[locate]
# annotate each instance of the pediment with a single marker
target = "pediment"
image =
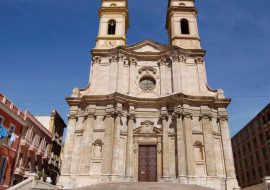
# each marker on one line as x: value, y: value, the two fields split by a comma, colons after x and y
x: 147, y: 46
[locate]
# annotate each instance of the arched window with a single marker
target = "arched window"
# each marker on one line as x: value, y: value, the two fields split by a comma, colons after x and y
x: 184, y: 26
x: 111, y: 27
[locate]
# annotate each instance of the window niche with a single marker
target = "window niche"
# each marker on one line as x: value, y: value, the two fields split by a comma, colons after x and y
x: 184, y: 26
x: 97, y: 146
x: 111, y: 27
x: 198, y: 151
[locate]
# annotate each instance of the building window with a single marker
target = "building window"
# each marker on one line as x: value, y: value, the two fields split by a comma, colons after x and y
x: 260, y: 172
x: 254, y: 174
x: 184, y: 26
x: 267, y: 133
x: 251, y: 160
x: 265, y: 154
x: 249, y: 147
x: 262, y: 139
x: 1, y: 121
x: 111, y: 27
x: 3, y: 166
x: 255, y: 142
x: 147, y: 83
x: 258, y: 156
x: 244, y: 149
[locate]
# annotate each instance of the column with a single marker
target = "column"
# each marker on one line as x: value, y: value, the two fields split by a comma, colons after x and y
x: 163, y: 78
x: 86, y: 152
x: 132, y: 74
x: 130, y: 149
x: 181, y: 150
x: 116, y: 144
x: 68, y: 150
x: 209, y: 146
x: 165, y: 147
x: 227, y: 147
x: 187, y: 119
x: 108, y: 144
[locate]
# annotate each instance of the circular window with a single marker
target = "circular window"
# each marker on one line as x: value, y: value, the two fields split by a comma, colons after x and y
x: 147, y: 83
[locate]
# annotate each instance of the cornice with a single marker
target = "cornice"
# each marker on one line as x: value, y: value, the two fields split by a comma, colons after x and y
x: 125, y: 100
x: 165, y: 51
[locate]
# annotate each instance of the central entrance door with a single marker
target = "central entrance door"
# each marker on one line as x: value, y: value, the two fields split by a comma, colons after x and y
x: 148, y: 163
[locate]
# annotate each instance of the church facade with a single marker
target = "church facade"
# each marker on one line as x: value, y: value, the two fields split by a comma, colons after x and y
x: 148, y: 114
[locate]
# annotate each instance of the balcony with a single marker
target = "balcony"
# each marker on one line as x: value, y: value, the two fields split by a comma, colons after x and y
x: 32, y: 149
x: 40, y: 153
x: 19, y: 170
x: 25, y: 144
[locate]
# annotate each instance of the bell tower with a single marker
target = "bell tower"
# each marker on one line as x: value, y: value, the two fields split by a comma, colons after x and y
x: 114, y: 23
x: 182, y: 24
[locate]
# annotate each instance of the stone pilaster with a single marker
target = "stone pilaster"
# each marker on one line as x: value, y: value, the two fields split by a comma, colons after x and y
x: 165, y: 144
x: 113, y: 74
x: 227, y: 146
x: 163, y: 77
x: 201, y: 73
x: 68, y: 150
x: 209, y: 145
x: 77, y: 146
x: 181, y: 149
x: 121, y: 72
x: 130, y: 149
x: 175, y: 74
x: 86, y: 152
x: 187, y: 119
x: 159, y: 161
x: 132, y: 74
x: 108, y: 142
x: 116, y: 142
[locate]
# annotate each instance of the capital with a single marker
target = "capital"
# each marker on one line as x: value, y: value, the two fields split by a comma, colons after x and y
x: 132, y: 61
x: 222, y: 118
x: 182, y: 59
x: 96, y: 60
x: 162, y: 61
x: 113, y: 58
x: 199, y: 60
x: 206, y: 116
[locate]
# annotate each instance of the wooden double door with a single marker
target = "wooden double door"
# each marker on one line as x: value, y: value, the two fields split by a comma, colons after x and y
x: 148, y: 163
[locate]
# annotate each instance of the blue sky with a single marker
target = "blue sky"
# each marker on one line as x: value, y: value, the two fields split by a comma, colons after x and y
x: 45, y: 49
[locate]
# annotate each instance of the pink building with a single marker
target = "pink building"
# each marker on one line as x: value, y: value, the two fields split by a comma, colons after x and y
x: 34, y: 150
x: 12, y: 124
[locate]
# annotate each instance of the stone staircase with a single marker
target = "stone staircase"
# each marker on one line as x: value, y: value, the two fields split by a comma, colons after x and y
x: 144, y: 186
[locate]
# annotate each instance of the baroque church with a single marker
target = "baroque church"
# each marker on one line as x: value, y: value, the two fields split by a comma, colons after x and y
x: 148, y: 114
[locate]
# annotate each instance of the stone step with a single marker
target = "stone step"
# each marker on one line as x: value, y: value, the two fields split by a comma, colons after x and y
x: 143, y: 186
